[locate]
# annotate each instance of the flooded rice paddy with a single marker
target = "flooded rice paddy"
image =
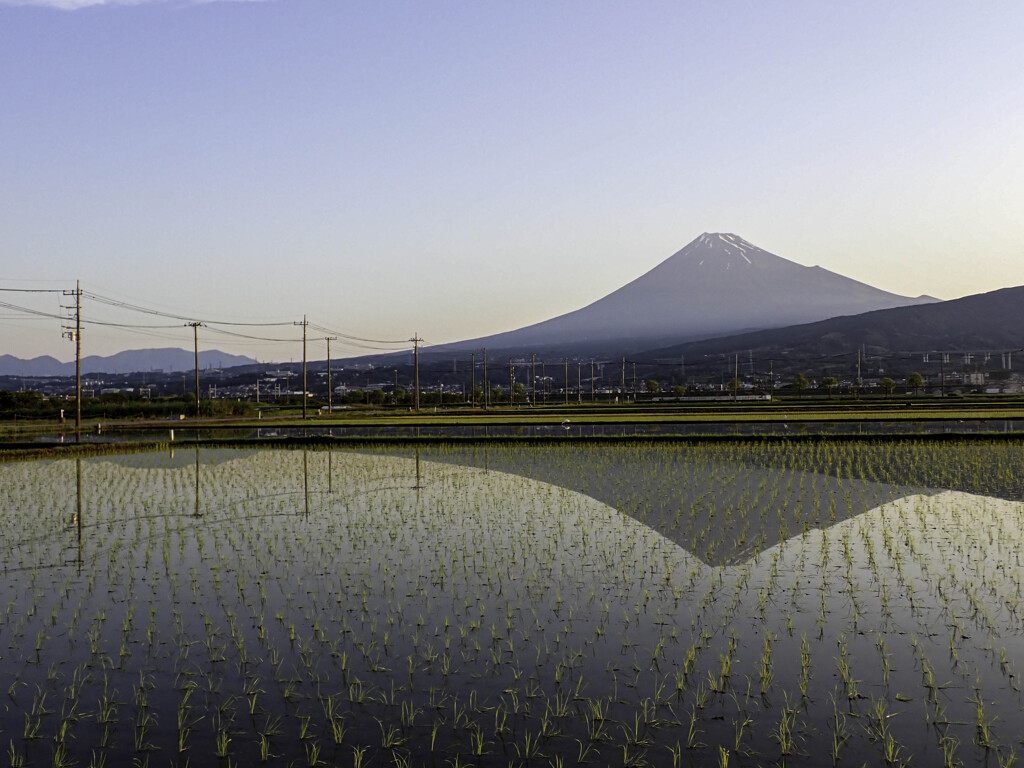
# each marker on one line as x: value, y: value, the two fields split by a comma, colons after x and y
x: 717, y: 604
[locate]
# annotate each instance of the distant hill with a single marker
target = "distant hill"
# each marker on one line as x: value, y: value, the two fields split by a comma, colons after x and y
x: 991, y: 321
x: 130, y: 361
x: 718, y: 284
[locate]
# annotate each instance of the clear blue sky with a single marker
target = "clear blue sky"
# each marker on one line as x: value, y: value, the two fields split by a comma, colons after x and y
x: 462, y: 168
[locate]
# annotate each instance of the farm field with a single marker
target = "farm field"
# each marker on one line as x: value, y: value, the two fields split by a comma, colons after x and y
x: 729, y: 604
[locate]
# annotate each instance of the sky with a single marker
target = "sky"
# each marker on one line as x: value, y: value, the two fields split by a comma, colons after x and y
x: 453, y: 169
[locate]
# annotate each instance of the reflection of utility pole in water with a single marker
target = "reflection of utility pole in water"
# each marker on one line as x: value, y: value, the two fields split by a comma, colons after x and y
x: 196, y: 513
x: 330, y: 470
x: 305, y: 478
x: 78, y: 509
x: 418, y: 485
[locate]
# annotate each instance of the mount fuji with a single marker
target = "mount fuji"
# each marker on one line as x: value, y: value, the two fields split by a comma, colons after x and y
x: 718, y: 284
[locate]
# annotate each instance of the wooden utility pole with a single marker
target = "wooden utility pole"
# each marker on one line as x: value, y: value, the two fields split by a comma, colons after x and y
x: 396, y: 387
x: 736, y: 379
x: 579, y: 381
x: 195, y: 334
x: 76, y: 336
x: 565, y: 362
x: 472, y: 379
x: 304, y: 324
x: 858, y: 372
x: 533, y: 378
x: 416, y: 340
x: 330, y: 391
x: 305, y: 385
x: 622, y: 386
x: 487, y: 384
x: 593, y: 397
x: 511, y: 382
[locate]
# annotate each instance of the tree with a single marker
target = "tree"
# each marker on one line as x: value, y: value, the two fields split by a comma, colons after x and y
x: 916, y: 381
x: 829, y: 383
x: 518, y: 392
x: 800, y: 383
x: 678, y: 391
x: 888, y: 385
x: 653, y: 387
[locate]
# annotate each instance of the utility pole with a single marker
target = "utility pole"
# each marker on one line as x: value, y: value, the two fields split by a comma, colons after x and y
x: 565, y: 362
x: 472, y: 380
x: 511, y: 383
x: 622, y: 386
x: 195, y: 334
x: 533, y: 378
x: 416, y: 362
x: 736, y: 379
x: 396, y: 387
x: 858, y: 372
x: 579, y: 381
x: 330, y: 391
x: 304, y: 323
x: 634, y: 381
x: 487, y: 384
x: 76, y: 336
x: 593, y: 399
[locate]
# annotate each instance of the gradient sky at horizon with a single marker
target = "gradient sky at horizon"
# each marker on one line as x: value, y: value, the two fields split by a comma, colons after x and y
x: 456, y: 169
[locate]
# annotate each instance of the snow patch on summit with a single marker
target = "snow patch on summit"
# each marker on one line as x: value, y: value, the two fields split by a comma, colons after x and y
x: 727, y: 244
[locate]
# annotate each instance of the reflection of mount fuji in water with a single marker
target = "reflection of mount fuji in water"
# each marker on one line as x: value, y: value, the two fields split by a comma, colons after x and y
x: 673, y: 493
x: 722, y: 505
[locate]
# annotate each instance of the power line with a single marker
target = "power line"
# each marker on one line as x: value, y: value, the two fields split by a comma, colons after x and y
x: 28, y: 310
x: 117, y: 303
x: 350, y: 337
x: 236, y: 334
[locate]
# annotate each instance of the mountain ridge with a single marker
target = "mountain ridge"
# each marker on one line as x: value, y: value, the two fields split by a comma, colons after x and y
x: 984, y: 322
x: 128, y: 361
